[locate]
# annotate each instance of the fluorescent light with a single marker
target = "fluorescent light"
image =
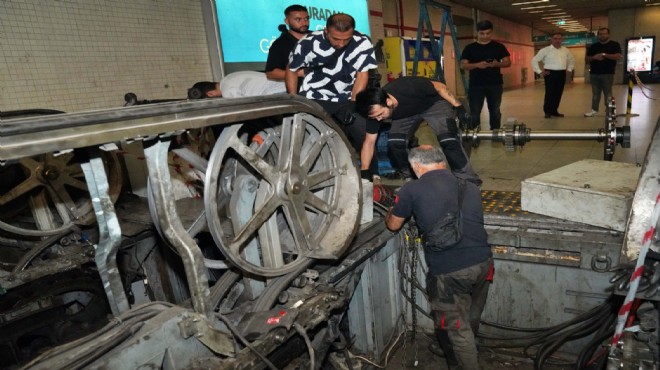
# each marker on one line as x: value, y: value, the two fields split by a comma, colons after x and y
x: 531, y: 2
x: 539, y: 7
x: 536, y: 11
x: 554, y: 17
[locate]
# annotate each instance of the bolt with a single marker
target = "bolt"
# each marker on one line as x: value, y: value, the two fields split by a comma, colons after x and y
x: 50, y: 173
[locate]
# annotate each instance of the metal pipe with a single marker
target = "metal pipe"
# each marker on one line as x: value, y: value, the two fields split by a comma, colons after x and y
x: 567, y: 135
x: 543, y: 135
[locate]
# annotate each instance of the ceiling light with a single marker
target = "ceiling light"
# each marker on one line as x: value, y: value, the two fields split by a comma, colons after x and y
x: 554, y: 17
x: 536, y: 11
x: 531, y: 2
x: 539, y: 7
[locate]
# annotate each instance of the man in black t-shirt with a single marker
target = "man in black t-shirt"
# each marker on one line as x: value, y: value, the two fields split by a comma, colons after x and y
x: 408, y: 101
x: 483, y: 59
x: 297, y: 18
x: 458, y: 276
x: 602, y: 57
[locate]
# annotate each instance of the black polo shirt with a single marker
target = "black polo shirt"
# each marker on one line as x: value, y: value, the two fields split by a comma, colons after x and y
x: 430, y: 198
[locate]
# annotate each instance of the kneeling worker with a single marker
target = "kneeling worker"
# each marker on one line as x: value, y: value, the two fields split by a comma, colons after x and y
x: 460, y: 266
x: 408, y: 101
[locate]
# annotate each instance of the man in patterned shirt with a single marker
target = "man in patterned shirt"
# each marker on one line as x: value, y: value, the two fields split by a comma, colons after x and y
x: 336, y: 61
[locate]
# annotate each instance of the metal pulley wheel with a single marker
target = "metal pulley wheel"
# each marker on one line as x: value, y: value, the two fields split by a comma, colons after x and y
x: 297, y: 195
x: 47, y: 195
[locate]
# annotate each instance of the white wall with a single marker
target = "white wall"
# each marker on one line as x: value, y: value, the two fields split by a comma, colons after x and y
x: 77, y: 55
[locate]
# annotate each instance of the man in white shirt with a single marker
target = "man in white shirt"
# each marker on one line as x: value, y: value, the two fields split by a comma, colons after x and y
x: 237, y: 85
x: 557, y: 62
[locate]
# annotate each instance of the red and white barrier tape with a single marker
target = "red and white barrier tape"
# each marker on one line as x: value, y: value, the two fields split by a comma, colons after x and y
x: 624, y: 311
x: 642, y: 86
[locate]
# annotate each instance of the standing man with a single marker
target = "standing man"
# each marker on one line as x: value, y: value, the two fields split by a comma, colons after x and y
x: 408, y: 101
x: 483, y: 59
x: 602, y: 57
x: 459, y: 274
x: 337, y: 61
x: 557, y: 62
x: 297, y: 18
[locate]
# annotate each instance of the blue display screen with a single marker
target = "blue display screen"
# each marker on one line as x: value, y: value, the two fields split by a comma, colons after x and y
x: 247, y: 28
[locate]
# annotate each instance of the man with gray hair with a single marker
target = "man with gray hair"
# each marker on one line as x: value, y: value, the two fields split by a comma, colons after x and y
x: 460, y: 264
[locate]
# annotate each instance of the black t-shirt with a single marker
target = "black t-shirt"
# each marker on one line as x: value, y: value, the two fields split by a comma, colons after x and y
x: 278, y: 54
x: 429, y: 199
x: 414, y: 95
x: 606, y: 66
x: 475, y: 53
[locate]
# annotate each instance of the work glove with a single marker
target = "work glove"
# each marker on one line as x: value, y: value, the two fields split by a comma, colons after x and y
x: 464, y: 119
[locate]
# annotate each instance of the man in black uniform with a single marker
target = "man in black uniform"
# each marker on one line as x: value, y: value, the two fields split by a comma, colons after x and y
x: 408, y: 101
x: 602, y: 57
x: 297, y: 18
x: 459, y: 275
x: 483, y: 59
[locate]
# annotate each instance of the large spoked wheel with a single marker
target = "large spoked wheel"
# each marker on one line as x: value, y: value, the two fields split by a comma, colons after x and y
x: 47, y: 195
x: 294, y: 198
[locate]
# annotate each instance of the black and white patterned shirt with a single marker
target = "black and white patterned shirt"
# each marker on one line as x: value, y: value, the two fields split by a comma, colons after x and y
x: 331, y: 77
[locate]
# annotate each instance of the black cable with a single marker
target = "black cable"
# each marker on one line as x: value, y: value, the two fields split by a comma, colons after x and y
x: 587, y: 327
x: 310, y: 349
x: 588, y: 351
x: 245, y: 342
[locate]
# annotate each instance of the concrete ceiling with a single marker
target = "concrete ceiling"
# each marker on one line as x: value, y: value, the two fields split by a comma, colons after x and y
x: 577, y: 15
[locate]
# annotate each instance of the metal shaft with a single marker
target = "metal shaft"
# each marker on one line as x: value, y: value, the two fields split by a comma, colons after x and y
x: 544, y: 135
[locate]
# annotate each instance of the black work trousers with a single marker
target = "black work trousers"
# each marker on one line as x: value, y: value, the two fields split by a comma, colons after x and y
x: 554, y: 88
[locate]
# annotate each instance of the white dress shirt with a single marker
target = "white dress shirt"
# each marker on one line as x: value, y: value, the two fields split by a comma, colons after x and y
x: 554, y: 59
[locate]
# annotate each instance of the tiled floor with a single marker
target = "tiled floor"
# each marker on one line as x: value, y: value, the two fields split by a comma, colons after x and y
x: 502, y: 170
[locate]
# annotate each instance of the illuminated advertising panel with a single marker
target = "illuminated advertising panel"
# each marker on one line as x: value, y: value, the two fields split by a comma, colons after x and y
x: 247, y: 28
x: 639, y: 54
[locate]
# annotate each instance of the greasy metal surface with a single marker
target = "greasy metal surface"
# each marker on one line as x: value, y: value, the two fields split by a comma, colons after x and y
x: 31, y: 136
x: 217, y: 341
x: 51, y: 190
x: 646, y: 197
x: 109, y: 233
x: 173, y: 230
x: 307, y: 182
x: 502, y: 203
x: 525, y: 236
